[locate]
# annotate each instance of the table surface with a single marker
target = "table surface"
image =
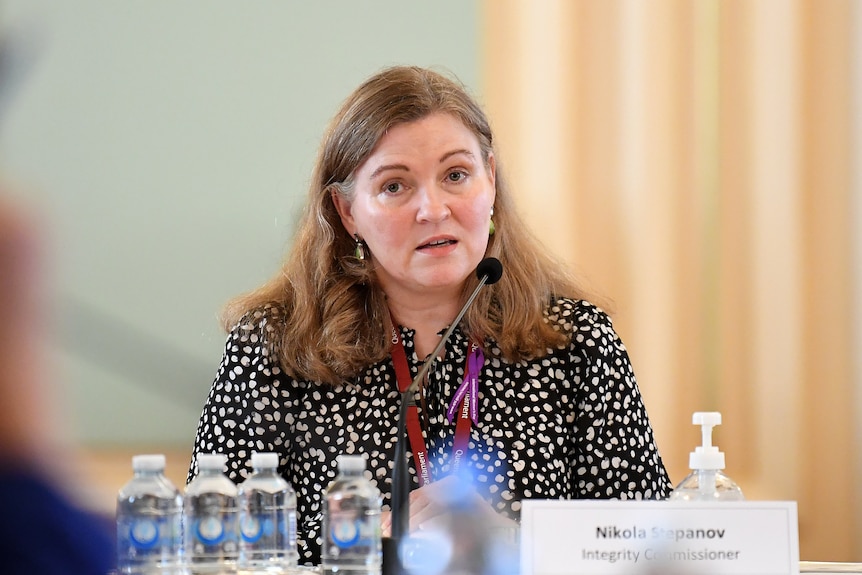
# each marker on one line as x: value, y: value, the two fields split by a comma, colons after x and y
x: 821, y: 567
x: 827, y: 567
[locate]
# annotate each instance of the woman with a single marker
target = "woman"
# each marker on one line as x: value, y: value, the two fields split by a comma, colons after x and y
x: 407, y: 197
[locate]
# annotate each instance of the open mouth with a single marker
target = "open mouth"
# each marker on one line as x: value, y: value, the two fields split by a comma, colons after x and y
x: 437, y: 244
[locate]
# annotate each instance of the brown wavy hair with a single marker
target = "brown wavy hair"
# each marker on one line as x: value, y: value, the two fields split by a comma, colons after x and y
x: 329, y: 313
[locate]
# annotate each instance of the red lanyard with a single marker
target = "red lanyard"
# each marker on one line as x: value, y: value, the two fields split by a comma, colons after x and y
x: 465, y: 402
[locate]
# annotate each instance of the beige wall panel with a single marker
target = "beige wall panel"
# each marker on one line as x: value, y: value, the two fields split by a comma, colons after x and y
x: 827, y: 431
x: 705, y: 148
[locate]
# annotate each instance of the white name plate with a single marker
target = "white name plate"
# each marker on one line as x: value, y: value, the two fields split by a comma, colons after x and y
x: 560, y: 537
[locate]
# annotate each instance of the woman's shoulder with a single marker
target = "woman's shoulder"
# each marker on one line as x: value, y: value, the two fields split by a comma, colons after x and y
x: 253, y: 346
x: 589, y: 327
x: 572, y: 315
x: 263, y: 321
x: 258, y: 333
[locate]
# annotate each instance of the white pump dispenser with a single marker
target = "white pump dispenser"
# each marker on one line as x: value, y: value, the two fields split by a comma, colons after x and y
x: 707, y: 482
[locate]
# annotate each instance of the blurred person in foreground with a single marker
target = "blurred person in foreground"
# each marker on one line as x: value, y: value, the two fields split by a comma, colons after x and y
x: 42, y: 530
x: 533, y: 396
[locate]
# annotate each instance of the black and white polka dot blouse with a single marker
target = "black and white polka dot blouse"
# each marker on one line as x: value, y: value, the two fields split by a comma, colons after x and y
x: 567, y: 425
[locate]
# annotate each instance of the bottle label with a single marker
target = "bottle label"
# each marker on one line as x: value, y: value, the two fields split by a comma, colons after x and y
x: 254, y: 527
x: 209, y: 530
x: 347, y: 531
x: 144, y: 533
x: 148, y: 534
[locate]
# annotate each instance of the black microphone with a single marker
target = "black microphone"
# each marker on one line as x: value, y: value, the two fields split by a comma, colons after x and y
x: 489, y: 271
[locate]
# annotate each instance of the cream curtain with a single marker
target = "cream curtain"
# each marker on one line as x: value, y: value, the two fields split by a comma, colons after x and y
x: 692, y: 160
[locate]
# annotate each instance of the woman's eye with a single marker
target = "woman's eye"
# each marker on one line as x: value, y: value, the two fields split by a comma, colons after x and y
x: 392, y: 188
x: 456, y: 176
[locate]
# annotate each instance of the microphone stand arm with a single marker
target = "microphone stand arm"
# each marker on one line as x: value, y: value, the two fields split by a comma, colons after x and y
x: 400, y: 507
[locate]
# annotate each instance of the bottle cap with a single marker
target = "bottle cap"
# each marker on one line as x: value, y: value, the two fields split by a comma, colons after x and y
x: 212, y: 461
x: 353, y: 463
x: 707, y: 456
x: 154, y: 462
x: 264, y: 460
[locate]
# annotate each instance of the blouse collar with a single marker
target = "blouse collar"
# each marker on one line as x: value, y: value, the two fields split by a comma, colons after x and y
x: 454, y: 350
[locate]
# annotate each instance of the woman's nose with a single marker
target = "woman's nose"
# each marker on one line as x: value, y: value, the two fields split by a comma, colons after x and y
x: 433, y: 204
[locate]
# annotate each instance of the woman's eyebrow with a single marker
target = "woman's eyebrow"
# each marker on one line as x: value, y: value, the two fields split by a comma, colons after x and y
x: 386, y: 167
x: 448, y: 155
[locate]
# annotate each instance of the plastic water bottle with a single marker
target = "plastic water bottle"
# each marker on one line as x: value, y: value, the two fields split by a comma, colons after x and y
x: 706, y: 482
x: 267, y: 518
x: 351, y: 521
x: 149, y: 520
x: 210, y: 518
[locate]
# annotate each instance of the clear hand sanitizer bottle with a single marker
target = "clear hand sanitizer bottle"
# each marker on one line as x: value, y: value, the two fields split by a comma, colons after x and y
x: 706, y: 482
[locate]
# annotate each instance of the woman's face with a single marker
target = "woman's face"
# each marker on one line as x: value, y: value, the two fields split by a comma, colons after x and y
x: 423, y: 204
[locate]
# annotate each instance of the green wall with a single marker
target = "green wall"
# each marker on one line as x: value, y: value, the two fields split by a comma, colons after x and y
x: 169, y: 144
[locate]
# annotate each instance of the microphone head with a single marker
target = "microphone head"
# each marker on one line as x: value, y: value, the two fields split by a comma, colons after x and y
x: 490, y: 268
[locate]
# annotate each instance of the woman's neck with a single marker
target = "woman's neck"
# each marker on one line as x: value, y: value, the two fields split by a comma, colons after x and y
x: 427, y: 317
